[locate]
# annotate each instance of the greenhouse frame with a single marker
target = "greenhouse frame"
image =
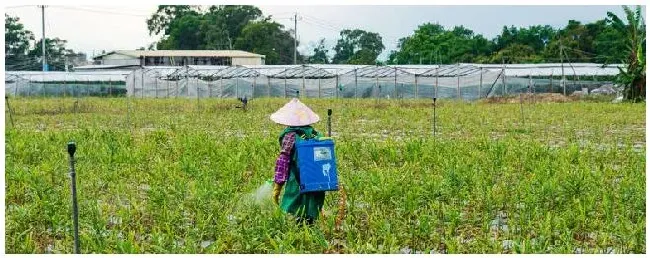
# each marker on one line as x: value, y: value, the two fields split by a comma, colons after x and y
x: 462, y: 81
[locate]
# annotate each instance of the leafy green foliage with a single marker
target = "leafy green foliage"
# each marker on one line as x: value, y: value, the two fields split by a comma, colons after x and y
x: 161, y: 20
x: 23, y: 53
x: 357, y: 47
x: 634, y: 76
x: 185, y: 27
x: 601, y: 42
x: 320, y: 54
x: 431, y: 43
x: 240, y: 27
x: 17, y: 40
x: 268, y: 38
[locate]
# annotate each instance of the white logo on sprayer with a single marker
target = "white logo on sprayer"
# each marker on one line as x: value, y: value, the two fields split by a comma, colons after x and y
x: 326, y: 169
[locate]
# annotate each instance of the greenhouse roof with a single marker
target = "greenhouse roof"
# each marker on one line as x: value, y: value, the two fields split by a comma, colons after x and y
x: 328, y: 71
x: 304, y: 71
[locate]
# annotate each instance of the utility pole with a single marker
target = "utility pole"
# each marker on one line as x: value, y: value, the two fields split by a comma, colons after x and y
x: 295, y: 37
x: 43, y: 41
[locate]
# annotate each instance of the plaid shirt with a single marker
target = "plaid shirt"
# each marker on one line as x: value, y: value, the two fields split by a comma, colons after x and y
x: 282, y: 163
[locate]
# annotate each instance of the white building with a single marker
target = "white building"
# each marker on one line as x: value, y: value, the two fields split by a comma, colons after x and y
x: 126, y: 58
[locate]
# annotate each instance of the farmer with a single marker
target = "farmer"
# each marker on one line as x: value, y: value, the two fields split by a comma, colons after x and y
x: 298, y: 118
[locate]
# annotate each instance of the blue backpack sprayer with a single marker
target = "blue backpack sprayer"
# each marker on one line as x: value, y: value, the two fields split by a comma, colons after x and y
x: 317, y: 162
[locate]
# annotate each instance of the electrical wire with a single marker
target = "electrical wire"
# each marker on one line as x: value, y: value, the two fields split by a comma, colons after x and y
x: 323, y: 23
x: 330, y: 23
x: 116, y: 9
x: 321, y: 26
x: 19, y: 6
x: 98, y: 11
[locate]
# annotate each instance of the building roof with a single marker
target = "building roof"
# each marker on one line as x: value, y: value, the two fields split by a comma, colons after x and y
x: 104, y: 67
x: 202, y: 53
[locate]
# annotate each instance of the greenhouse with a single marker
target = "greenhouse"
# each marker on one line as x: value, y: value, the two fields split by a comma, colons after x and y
x: 74, y: 84
x: 461, y: 81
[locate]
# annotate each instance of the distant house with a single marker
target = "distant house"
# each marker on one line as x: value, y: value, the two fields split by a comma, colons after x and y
x: 126, y: 58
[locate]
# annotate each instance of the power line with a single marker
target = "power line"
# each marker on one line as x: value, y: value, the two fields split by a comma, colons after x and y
x: 117, y: 9
x: 330, y: 23
x: 321, y: 26
x: 19, y: 6
x: 98, y: 11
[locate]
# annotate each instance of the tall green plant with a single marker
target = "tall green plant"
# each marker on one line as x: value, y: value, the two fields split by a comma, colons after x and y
x: 633, y: 76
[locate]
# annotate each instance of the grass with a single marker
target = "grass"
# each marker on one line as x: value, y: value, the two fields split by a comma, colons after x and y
x: 176, y: 176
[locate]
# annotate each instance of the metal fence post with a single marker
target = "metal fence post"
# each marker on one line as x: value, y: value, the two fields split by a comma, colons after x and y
x: 503, y: 80
x: 355, y: 84
x: 480, y: 83
x: 155, y: 81
x: 416, y: 87
x: 336, y: 87
x: 142, y: 81
x: 550, y: 90
x: 395, y: 92
x: 460, y: 97
x: 221, y: 86
x: 435, y: 91
x: 304, y: 88
x: 177, y: 90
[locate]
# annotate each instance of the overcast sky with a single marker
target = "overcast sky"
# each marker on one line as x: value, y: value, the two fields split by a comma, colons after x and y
x: 92, y: 29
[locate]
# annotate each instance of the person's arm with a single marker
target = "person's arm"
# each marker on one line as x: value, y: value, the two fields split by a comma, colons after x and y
x: 282, y: 165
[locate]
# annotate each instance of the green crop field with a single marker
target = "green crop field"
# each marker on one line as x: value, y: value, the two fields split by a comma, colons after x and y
x: 179, y: 176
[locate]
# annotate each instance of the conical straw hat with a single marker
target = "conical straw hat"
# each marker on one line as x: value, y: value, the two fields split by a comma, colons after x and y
x: 295, y: 113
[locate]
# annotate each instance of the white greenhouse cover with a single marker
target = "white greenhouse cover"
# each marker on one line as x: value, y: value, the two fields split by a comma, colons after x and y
x: 36, y: 76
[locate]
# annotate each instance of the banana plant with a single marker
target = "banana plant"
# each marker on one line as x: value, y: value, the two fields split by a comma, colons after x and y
x: 632, y: 77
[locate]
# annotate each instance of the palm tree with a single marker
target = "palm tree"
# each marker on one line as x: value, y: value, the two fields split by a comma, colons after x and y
x: 633, y: 77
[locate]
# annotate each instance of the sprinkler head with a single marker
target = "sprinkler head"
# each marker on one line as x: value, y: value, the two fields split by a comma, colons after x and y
x: 72, y: 147
x: 434, y: 99
x: 329, y: 112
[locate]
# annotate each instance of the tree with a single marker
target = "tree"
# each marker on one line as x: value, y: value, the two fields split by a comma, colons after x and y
x: 19, y: 55
x: 609, y: 45
x: 572, y: 44
x: 268, y: 38
x: 357, y: 47
x: 56, y: 54
x: 160, y: 21
x: 187, y: 27
x: 516, y: 53
x: 233, y: 18
x: 536, y: 37
x: 184, y: 32
x: 431, y: 43
x: 320, y: 54
x: 634, y: 75
x: 17, y: 40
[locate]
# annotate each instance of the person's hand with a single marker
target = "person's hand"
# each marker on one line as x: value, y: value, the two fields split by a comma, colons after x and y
x: 276, y: 193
